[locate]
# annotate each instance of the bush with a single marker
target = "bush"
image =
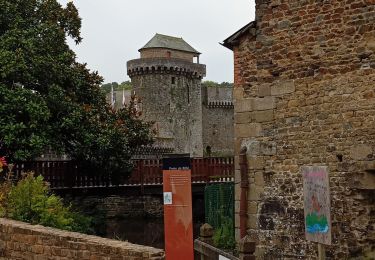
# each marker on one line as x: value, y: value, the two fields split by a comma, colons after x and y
x: 224, y: 235
x: 30, y: 201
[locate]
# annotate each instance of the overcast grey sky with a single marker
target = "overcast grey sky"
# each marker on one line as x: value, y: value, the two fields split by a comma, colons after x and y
x: 114, y: 30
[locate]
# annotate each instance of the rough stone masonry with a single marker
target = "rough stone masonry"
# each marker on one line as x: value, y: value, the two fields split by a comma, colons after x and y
x: 20, y: 240
x: 305, y: 95
x: 187, y: 118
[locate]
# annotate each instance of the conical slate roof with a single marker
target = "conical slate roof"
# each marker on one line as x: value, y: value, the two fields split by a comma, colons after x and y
x: 169, y: 42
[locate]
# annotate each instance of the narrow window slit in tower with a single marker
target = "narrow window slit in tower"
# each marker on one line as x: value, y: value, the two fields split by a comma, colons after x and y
x: 188, y: 93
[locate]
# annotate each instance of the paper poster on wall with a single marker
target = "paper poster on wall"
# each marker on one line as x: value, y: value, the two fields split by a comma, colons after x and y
x: 167, y: 198
x: 317, y: 204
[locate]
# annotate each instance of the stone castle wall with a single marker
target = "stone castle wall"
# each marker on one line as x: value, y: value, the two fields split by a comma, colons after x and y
x: 217, y: 117
x: 170, y: 92
x: 218, y: 127
x: 19, y: 240
x: 305, y: 95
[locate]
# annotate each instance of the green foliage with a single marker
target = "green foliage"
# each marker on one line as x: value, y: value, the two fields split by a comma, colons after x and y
x: 49, y: 100
x: 30, y: 201
x: 22, y: 112
x: 211, y: 84
x: 224, y: 235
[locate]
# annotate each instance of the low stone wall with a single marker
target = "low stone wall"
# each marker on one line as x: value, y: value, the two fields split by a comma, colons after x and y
x: 19, y: 240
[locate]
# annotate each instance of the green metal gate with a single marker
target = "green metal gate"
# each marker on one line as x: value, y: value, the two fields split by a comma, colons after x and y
x: 219, y: 203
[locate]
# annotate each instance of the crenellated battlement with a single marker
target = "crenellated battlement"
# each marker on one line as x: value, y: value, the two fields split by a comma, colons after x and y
x: 220, y: 104
x: 187, y: 116
x: 165, y: 66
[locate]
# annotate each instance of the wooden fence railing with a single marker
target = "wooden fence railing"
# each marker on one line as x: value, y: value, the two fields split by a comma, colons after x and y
x: 66, y: 174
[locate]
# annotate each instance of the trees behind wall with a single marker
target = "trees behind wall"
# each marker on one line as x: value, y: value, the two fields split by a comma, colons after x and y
x: 48, y: 99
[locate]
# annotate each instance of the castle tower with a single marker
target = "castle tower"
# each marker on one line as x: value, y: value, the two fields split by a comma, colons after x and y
x: 168, y: 83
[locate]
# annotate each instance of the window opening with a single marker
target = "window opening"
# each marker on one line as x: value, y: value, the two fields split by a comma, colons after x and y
x: 188, y: 93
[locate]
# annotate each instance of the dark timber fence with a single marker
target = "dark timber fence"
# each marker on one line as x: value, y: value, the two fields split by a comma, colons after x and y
x: 66, y: 174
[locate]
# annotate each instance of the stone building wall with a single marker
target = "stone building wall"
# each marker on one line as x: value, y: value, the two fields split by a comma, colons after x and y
x: 305, y: 95
x: 19, y: 240
x: 218, y: 127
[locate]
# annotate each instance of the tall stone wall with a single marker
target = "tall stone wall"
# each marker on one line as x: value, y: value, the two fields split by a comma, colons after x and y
x: 217, y: 112
x: 170, y: 92
x: 305, y: 95
x: 19, y: 240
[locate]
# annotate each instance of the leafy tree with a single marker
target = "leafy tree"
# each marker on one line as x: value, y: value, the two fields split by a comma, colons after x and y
x: 48, y: 99
x: 106, y: 88
x: 210, y: 84
x: 226, y: 84
x: 125, y: 85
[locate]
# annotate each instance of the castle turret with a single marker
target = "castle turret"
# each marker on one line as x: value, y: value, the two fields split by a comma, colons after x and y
x: 168, y: 83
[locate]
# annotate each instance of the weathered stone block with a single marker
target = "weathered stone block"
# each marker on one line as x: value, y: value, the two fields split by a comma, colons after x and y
x: 264, y: 90
x: 265, y: 103
x: 262, y: 116
x: 360, y: 151
x: 248, y: 130
x: 252, y: 221
x: 252, y: 146
x: 255, y: 162
x: 283, y: 87
x: 255, y: 192
x: 252, y: 207
x: 238, y: 93
x: 363, y: 180
x: 259, y: 179
x: 242, y: 118
x: 243, y: 105
x: 237, y: 206
x: 237, y: 192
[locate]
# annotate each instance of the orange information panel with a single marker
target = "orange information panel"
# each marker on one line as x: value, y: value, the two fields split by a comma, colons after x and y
x: 178, y: 220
